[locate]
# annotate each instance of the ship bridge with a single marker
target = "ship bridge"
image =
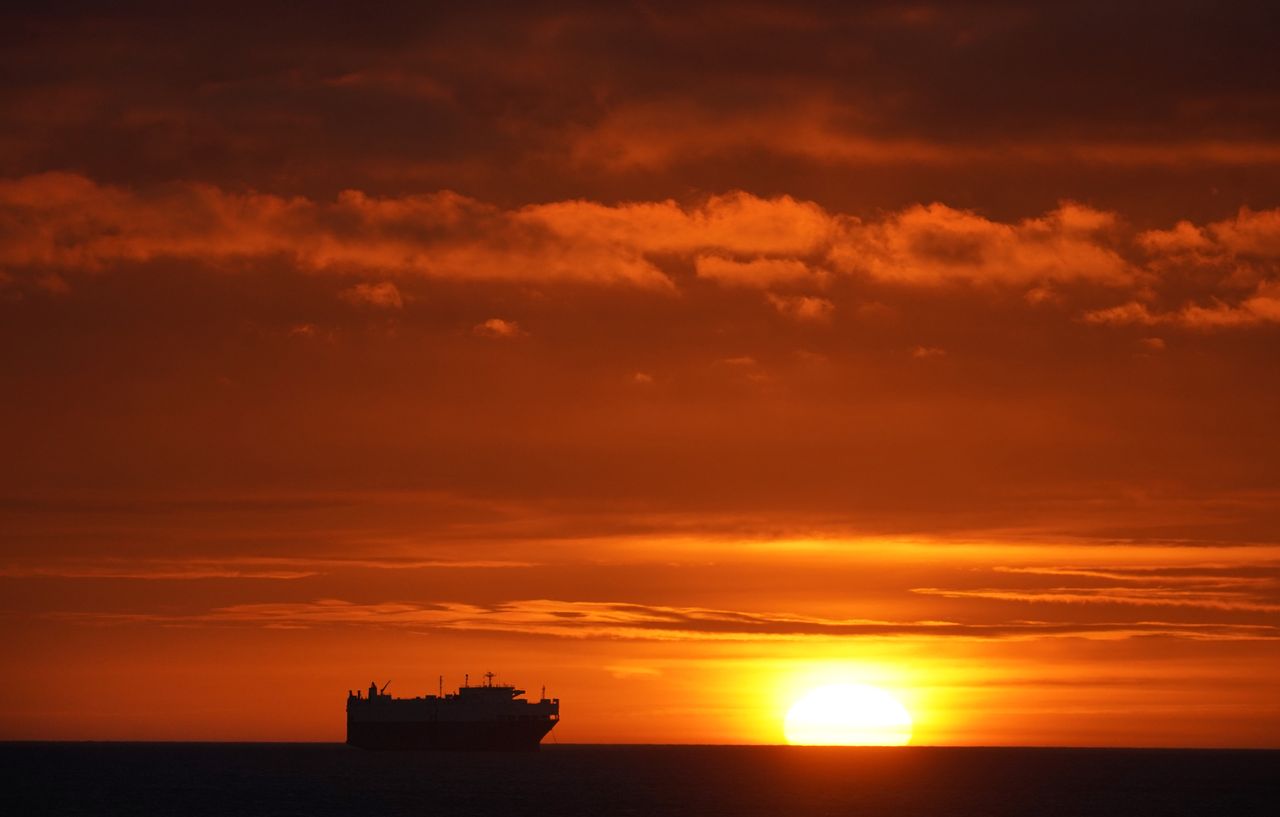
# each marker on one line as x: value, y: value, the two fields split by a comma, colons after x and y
x: 489, y: 689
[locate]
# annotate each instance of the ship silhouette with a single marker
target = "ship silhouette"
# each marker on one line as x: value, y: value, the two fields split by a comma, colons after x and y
x: 489, y: 717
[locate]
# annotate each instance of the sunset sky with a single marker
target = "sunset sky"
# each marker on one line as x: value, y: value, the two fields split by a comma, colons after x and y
x: 681, y: 357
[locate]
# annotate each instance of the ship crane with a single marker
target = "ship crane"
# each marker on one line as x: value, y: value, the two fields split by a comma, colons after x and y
x: 383, y: 691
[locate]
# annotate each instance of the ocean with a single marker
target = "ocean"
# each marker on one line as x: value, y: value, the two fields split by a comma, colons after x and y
x: 331, y: 779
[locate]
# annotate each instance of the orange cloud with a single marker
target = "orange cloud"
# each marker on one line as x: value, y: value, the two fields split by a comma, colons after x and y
x: 392, y: 80
x: 382, y: 294
x: 803, y: 307
x: 1132, y: 596
x: 934, y: 244
x: 657, y: 135
x: 52, y: 224
x: 246, y: 567
x: 498, y: 328
x: 1131, y: 312
x: 1251, y: 232
x: 627, y: 620
x: 1241, y: 587
x: 925, y: 352
x: 67, y: 221
x: 1184, y: 237
x: 1262, y: 306
x: 735, y: 223
x: 1263, y: 575
x: 759, y: 272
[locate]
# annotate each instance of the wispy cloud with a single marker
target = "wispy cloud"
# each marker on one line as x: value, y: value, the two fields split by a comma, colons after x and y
x: 1260, y: 307
x: 805, y: 308
x: 926, y: 352
x: 283, y: 568
x: 623, y: 620
x: 1214, y: 575
x: 498, y: 329
x: 1253, y: 588
x: 382, y: 294
x: 658, y: 135
x: 1139, y: 597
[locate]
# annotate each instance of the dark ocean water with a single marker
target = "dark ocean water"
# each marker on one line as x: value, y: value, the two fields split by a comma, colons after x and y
x: 326, y: 779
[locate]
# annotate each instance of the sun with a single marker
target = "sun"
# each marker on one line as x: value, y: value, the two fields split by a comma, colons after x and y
x: 848, y: 715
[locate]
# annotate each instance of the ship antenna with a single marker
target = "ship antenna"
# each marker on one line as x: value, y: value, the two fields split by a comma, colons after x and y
x: 466, y: 679
x: 488, y: 677
x: 440, y: 689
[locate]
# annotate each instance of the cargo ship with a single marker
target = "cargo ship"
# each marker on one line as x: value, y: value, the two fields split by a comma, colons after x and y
x: 487, y: 717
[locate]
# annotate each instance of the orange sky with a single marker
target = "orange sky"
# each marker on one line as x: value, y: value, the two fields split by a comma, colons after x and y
x: 681, y: 357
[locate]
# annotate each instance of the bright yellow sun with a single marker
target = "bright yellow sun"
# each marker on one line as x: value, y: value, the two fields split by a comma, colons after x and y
x: 848, y: 715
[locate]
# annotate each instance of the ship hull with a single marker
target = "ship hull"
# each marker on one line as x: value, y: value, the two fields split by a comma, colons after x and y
x: 500, y: 736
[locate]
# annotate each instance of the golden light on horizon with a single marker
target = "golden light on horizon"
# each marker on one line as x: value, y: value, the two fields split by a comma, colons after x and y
x: 848, y: 715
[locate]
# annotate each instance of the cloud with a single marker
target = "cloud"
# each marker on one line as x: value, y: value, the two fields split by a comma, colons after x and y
x: 1213, y: 276
x: 66, y: 221
x: 630, y: 621
x: 498, y: 329
x: 1263, y: 306
x: 760, y: 273
x: 1260, y: 307
x: 735, y: 223
x: 392, y: 80
x: 1241, y: 249
x: 929, y: 245
x: 659, y: 135
x: 1183, y: 238
x: 804, y: 308
x: 1250, y: 588
x: 248, y: 567
x: 680, y: 88
x: 1131, y: 312
x: 53, y: 283
x: 926, y: 352
x: 656, y: 135
x: 1267, y: 575
x: 383, y: 294
x: 1140, y: 597
x: 1225, y: 272
x: 1250, y: 233
x: 156, y: 571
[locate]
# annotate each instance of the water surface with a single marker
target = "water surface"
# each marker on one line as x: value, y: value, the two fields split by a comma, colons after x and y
x: 330, y: 779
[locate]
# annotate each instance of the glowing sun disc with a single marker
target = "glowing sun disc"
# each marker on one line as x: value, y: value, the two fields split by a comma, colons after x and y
x: 848, y: 715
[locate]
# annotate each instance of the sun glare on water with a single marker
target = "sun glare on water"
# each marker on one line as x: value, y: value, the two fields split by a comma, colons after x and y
x: 848, y: 715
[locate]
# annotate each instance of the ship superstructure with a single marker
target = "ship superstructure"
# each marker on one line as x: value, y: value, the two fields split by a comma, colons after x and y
x: 490, y: 716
